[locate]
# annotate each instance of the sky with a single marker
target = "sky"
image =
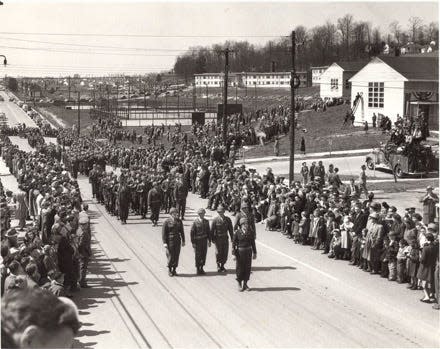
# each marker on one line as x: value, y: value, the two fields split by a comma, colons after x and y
x: 138, y: 37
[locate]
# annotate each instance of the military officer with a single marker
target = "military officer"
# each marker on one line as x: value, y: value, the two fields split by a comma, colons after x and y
x: 173, y: 237
x: 221, y: 226
x: 200, y: 239
x: 180, y: 194
x: 155, y: 202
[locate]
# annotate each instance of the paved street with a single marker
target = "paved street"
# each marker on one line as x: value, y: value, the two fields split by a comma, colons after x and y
x: 298, y: 297
x: 14, y: 113
x: 295, y: 292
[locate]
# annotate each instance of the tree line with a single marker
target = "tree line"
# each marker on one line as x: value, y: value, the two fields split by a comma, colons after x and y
x: 344, y: 40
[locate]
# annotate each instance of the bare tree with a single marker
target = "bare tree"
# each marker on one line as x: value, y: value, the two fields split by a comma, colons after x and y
x: 432, y: 32
x: 396, y: 31
x: 345, y: 25
x: 414, y: 26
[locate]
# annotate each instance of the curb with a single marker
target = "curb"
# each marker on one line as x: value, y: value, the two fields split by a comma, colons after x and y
x: 301, y: 157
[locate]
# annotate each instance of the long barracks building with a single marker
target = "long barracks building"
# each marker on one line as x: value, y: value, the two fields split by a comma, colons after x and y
x: 251, y: 79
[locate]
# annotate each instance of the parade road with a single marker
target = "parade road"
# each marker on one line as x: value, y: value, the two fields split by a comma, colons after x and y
x: 15, y: 115
x: 298, y: 297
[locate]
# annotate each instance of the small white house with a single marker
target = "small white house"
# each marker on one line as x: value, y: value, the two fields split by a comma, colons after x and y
x: 334, y: 82
x: 394, y: 86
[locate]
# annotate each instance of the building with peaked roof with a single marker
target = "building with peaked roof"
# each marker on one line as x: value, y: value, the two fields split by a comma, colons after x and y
x: 334, y: 82
x: 391, y: 86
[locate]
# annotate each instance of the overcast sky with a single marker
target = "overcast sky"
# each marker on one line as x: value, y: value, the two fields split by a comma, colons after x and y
x: 256, y: 22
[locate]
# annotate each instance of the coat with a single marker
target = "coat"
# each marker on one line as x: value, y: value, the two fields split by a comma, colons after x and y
x: 374, y: 241
x: 22, y: 207
x: 427, y: 263
x: 429, y: 209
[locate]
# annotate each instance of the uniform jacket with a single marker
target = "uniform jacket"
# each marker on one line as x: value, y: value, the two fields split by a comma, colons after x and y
x: 220, y: 227
x: 200, y: 230
x: 172, y: 231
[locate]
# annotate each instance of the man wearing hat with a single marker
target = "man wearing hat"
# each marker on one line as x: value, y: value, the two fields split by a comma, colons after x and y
x: 173, y: 237
x: 429, y: 209
x: 374, y: 242
x: 200, y: 240
x: 180, y: 194
x: 221, y: 226
x: 155, y: 202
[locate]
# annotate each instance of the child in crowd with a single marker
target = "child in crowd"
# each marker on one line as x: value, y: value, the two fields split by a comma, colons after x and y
x: 401, y: 261
x: 304, y: 226
x: 295, y: 228
x: 363, y: 252
x: 413, y: 263
x: 384, y: 259
x: 392, y: 250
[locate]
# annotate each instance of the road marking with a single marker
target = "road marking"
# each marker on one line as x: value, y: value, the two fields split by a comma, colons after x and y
x: 297, y: 261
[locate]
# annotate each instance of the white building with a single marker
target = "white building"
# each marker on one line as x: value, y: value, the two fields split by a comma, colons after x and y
x: 316, y: 73
x: 249, y: 79
x: 394, y: 86
x: 334, y: 82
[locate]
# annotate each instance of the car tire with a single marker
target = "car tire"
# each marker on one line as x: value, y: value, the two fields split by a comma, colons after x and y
x: 398, y: 171
x: 370, y: 164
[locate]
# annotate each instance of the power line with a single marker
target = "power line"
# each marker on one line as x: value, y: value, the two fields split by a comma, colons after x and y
x: 84, y: 52
x: 144, y: 35
x: 95, y: 46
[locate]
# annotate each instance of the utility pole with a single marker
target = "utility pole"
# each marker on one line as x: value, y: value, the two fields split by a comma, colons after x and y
x: 128, y: 101
x: 68, y: 79
x: 79, y: 114
x: 225, y: 96
x: 292, y: 109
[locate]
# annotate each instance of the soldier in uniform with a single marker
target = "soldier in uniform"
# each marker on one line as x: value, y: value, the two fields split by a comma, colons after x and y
x: 173, y: 237
x: 200, y: 239
x: 123, y: 201
x: 244, y: 249
x: 180, y: 194
x: 155, y: 202
x: 143, y: 189
x: 220, y: 228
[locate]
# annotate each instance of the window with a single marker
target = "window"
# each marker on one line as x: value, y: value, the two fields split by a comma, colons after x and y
x: 347, y: 83
x: 333, y: 84
x: 375, y: 94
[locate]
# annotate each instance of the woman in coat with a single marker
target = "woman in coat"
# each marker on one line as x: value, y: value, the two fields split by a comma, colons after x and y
x: 427, y: 267
x: 22, y: 207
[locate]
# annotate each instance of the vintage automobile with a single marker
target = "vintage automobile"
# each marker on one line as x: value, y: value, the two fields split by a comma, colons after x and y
x: 417, y: 160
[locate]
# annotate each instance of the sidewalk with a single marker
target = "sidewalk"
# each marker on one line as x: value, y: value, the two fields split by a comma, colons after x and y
x: 338, y: 153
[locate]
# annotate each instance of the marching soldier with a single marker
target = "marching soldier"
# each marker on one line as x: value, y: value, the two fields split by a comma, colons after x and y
x: 155, y: 202
x: 180, y: 194
x: 200, y: 239
x: 144, y: 188
x: 124, y: 201
x: 173, y: 237
x: 243, y: 244
x: 220, y: 228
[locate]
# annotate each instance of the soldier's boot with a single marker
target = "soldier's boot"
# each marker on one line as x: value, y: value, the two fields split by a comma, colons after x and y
x: 240, y: 288
x: 219, y: 268
x: 170, y: 271
x: 245, y: 286
x: 223, y: 268
x: 174, y: 271
x: 202, y: 271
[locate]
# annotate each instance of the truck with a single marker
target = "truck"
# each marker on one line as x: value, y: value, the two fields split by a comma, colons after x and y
x: 414, y: 160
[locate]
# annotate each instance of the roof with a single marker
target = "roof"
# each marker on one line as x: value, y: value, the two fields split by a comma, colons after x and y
x: 352, y: 66
x: 418, y: 67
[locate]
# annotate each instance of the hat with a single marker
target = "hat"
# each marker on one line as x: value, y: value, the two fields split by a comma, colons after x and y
x: 375, y: 206
x: 429, y: 187
x: 173, y: 210
x: 392, y: 233
x: 201, y: 211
